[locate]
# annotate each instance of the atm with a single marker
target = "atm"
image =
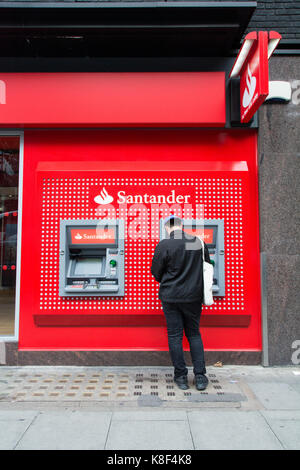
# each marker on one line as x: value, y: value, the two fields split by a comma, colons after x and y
x: 91, y: 258
x: 212, y: 232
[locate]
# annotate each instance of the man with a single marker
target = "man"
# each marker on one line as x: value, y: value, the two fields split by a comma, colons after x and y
x: 178, y: 266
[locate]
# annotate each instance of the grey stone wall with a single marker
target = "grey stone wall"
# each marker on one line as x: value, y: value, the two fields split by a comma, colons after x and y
x: 279, y: 176
x: 277, y: 15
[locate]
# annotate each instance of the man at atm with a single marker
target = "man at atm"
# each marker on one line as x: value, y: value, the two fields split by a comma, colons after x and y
x: 178, y: 266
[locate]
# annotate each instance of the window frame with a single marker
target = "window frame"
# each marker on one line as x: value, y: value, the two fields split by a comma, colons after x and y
x: 20, y: 134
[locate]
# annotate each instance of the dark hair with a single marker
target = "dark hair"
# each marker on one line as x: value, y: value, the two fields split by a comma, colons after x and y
x: 174, y: 222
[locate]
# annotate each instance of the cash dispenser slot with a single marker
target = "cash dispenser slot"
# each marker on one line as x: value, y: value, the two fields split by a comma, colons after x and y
x: 92, y: 258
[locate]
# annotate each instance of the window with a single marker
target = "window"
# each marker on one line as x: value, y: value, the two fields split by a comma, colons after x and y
x: 9, y: 177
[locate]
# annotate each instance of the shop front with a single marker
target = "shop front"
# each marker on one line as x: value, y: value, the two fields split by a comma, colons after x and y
x: 106, y: 157
x: 10, y: 145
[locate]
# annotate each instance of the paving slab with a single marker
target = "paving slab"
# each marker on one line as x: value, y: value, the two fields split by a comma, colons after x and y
x: 145, y: 387
x: 149, y: 435
x: 77, y: 430
x: 142, y: 415
x: 231, y: 430
x: 286, y: 426
x: 296, y: 387
x: 244, y: 407
x: 13, y: 424
x: 276, y: 396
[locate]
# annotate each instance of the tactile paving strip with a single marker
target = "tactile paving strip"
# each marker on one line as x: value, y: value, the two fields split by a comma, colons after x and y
x: 109, y: 385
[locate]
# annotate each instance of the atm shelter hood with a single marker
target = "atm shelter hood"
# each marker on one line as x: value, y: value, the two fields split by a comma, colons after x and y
x: 79, y: 175
x: 112, y: 99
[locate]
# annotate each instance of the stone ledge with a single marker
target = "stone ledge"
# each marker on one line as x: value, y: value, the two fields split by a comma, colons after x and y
x: 14, y: 357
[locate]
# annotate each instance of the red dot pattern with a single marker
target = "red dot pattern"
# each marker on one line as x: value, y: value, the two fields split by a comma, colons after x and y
x: 70, y: 198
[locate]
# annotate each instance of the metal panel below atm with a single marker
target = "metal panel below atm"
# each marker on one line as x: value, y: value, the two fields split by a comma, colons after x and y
x: 212, y: 232
x: 91, y: 258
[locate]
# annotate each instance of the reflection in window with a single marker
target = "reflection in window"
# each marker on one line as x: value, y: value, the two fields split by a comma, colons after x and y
x: 9, y: 175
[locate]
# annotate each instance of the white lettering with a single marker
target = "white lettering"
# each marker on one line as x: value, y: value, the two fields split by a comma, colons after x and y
x: 296, y: 355
x: 122, y: 198
x: 296, y: 94
x: 2, y: 92
x: 138, y: 227
x: 102, y: 236
x: 172, y: 198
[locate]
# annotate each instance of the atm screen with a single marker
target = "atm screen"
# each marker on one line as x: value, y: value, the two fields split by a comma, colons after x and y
x: 93, y: 236
x: 88, y: 266
x: 207, y: 234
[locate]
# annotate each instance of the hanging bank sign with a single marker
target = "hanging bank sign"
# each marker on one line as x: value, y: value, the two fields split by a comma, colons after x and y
x: 252, y: 67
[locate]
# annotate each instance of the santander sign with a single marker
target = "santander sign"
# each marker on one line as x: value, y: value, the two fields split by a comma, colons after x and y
x: 249, y: 89
x: 252, y: 67
x: 123, y: 198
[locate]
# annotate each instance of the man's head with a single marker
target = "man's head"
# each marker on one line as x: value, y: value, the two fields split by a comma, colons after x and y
x: 173, y: 223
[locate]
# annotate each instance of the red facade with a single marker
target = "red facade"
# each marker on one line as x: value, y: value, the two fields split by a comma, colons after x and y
x: 63, y: 173
x: 112, y: 99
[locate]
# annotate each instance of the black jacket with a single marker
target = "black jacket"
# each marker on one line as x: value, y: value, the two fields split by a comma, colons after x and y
x: 177, y: 265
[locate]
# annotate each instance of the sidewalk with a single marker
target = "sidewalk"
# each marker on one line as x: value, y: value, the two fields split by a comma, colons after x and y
x: 244, y: 407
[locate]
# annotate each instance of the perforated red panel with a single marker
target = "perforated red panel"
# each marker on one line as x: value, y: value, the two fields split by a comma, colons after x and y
x: 186, y: 168
x: 72, y: 198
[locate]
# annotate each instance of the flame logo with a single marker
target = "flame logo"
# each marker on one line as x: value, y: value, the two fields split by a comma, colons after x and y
x: 249, y: 89
x: 103, y: 198
x: 78, y: 236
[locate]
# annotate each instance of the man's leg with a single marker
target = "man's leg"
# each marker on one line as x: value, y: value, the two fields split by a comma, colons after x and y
x: 175, y: 335
x: 191, y: 318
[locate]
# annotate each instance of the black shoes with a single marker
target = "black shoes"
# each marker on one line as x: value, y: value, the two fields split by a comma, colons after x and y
x: 182, y: 382
x: 201, y: 382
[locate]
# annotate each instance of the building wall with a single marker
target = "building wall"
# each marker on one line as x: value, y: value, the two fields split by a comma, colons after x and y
x: 279, y: 151
x: 283, y: 17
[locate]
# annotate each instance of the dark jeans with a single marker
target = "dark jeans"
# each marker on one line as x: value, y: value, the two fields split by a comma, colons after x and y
x: 184, y: 317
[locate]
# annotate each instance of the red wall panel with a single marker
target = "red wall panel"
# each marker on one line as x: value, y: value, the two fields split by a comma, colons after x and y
x: 64, y: 170
x: 112, y: 99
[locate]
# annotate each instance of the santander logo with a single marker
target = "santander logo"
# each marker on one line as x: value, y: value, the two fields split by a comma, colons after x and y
x: 103, y: 198
x: 249, y: 89
x: 123, y: 198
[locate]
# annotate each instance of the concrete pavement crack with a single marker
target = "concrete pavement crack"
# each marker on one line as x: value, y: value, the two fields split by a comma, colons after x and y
x: 29, y: 425
x: 111, y: 417
x: 187, y: 415
x: 272, y: 430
